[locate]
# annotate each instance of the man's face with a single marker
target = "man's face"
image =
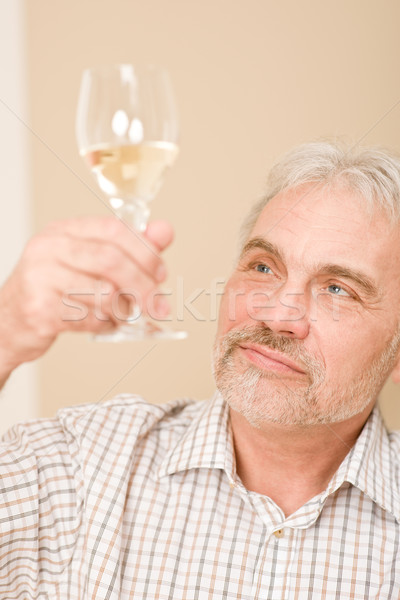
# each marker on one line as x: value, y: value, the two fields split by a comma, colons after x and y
x: 309, y: 322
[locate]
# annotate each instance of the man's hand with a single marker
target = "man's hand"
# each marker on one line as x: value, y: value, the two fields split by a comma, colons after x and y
x: 79, y: 275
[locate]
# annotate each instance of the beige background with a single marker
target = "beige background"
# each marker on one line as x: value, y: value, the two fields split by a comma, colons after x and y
x: 18, y: 398
x: 253, y: 78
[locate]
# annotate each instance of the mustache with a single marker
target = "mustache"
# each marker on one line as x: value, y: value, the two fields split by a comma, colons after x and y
x: 264, y: 336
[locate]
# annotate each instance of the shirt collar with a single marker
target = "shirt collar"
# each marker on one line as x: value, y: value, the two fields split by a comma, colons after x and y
x: 369, y: 466
x: 207, y: 442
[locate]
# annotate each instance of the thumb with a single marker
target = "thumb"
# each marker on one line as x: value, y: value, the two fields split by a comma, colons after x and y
x: 160, y: 234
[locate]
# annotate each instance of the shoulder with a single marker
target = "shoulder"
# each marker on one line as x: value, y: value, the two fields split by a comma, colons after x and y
x: 117, y: 423
x: 127, y: 414
x: 90, y: 440
x: 113, y: 432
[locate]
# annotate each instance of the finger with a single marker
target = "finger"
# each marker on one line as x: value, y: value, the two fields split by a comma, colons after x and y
x: 89, y: 311
x: 100, y: 261
x: 90, y: 324
x: 86, y: 312
x: 82, y: 295
x: 109, y: 230
x: 160, y: 233
x: 56, y: 295
x: 94, y: 258
x: 89, y: 277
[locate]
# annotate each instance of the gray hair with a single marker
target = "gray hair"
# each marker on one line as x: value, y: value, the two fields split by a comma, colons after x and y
x: 371, y: 173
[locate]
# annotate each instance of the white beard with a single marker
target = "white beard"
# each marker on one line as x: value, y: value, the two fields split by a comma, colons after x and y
x: 262, y: 396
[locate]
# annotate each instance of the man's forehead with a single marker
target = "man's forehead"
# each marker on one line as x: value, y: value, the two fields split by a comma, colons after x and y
x: 325, y: 225
x: 311, y: 207
x: 311, y: 202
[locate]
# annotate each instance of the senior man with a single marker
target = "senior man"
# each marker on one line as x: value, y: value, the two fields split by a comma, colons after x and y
x: 286, y: 484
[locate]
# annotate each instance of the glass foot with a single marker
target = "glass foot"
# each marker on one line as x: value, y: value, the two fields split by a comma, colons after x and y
x: 138, y: 331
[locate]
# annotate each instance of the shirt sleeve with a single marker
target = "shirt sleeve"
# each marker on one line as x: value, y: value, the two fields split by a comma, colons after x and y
x: 41, y: 508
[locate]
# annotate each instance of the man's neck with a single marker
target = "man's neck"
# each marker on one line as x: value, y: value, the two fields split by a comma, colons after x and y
x: 291, y: 464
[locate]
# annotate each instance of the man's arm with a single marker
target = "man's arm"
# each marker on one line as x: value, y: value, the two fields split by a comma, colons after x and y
x: 69, y: 278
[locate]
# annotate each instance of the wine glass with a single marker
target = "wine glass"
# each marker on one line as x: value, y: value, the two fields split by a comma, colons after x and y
x: 127, y: 132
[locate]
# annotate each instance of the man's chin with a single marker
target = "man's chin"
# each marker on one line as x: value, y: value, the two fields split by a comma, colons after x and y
x: 261, y: 398
x: 260, y: 394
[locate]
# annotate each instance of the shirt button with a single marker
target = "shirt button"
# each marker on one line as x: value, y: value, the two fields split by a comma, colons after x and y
x: 278, y: 533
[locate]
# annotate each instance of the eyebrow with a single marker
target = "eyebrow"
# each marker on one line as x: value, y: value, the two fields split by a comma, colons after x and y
x: 358, y: 277
x: 261, y: 244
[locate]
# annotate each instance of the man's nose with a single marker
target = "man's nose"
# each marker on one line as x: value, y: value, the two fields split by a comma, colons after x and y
x: 285, y: 313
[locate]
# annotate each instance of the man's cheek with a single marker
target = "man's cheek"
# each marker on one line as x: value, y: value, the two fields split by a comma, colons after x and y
x: 237, y: 306
x: 258, y: 305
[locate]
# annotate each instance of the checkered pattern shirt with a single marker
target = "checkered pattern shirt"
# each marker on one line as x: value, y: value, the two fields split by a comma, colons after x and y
x: 131, y: 500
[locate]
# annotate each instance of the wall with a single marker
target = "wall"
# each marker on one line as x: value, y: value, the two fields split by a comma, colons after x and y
x: 253, y: 79
x: 18, y: 398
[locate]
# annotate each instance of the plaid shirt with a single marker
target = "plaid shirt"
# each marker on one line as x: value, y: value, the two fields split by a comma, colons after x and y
x: 131, y: 500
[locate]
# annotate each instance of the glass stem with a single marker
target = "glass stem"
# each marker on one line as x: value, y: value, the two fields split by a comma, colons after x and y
x: 135, y: 214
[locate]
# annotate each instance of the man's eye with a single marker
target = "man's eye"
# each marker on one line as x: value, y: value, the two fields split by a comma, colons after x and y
x: 337, y: 290
x: 263, y: 269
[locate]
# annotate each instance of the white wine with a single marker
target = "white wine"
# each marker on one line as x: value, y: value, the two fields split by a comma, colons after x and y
x: 131, y: 172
